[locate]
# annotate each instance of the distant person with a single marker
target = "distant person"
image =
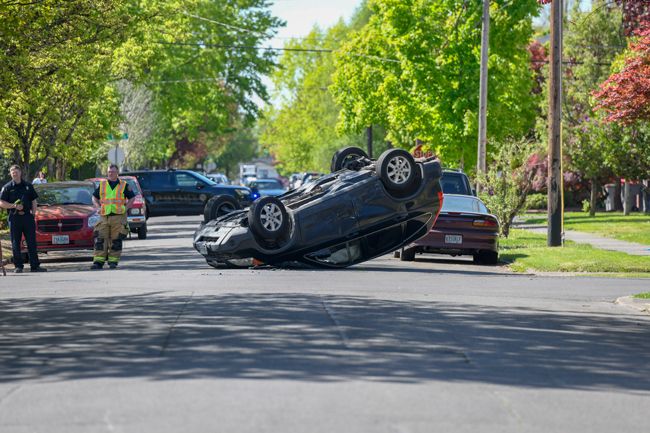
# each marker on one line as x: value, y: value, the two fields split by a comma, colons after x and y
x: 19, y: 197
x: 113, y: 196
x: 40, y: 178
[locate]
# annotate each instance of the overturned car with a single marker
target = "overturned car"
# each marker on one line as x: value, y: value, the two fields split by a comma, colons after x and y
x: 363, y: 209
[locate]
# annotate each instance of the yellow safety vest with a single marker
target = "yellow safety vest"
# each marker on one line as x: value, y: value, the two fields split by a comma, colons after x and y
x: 113, y: 200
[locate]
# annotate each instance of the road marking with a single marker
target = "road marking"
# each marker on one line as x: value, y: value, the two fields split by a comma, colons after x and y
x: 171, y: 328
x: 337, y: 324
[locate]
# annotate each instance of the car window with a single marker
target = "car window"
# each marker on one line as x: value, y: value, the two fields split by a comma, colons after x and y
x: 199, y: 177
x: 463, y: 204
x: 454, y: 184
x: 186, y: 180
x: 133, y: 185
x: 158, y: 180
x: 55, y: 194
x: 266, y: 184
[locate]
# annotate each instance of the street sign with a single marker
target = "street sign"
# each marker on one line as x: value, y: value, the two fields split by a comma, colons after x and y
x: 419, y: 153
x: 116, y: 155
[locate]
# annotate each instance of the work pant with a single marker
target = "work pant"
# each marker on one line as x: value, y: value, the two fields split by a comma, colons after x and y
x: 19, y: 226
x: 110, y: 232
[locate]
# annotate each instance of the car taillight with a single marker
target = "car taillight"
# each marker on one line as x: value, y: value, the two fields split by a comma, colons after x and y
x: 484, y: 223
x: 138, y: 200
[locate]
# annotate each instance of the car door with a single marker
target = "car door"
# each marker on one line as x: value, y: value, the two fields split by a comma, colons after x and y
x: 158, y: 190
x: 189, y: 196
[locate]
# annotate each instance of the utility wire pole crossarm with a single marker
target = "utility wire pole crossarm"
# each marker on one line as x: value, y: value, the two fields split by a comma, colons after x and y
x: 481, y: 164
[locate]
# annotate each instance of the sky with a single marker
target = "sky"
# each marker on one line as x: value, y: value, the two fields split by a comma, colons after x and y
x: 301, y: 15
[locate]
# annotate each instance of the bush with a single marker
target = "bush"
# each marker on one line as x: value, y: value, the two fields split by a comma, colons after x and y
x: 536, y: 201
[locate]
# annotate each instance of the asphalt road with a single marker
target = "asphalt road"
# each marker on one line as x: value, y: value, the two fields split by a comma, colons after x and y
x: 168, y: 344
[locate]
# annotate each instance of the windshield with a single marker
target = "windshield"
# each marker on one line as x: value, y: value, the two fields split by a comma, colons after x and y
x: 133, y: 186
x: 266, y: 184
x: 453, y: 184
x: 463, y: 204
x: 49, y: 194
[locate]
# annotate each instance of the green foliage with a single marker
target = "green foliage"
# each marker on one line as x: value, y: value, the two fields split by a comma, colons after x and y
x: 506, y: 184
x: 645, y: 295
x: 301, y: 129
x: 414, y: 68
x: 536, y: 201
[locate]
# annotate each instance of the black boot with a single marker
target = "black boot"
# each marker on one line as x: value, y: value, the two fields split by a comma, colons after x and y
x: 97, y: 265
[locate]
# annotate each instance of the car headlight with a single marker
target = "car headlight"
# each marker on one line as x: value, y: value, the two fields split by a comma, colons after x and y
x: 93, y: 220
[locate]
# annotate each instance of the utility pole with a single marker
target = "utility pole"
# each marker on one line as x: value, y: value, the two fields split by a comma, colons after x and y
x: 481, y: 165
x: 369, y: 140
x: 554, y: 129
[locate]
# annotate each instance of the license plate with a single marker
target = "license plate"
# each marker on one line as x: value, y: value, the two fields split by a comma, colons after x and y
x: 60, y: 240
x: 203, y: 249
x: 453, y: 239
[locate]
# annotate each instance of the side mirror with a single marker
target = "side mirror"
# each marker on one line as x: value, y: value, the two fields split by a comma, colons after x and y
x: 200, y: 185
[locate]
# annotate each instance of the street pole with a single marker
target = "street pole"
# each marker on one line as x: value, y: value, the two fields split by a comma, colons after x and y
x: 554, y: 129
x: 369, y: 140
x: 481, y: 165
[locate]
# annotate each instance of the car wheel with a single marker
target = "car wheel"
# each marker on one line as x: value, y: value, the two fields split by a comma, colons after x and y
x: 398, y: 171
x: 142, y: 232
x: 219, y: 205
x: 486, y: 258
x: 268, y: 218
x: 408, y: 255
x: 347, y: 158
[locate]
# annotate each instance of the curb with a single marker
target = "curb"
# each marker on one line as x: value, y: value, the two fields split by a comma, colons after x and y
x: 642, y: 305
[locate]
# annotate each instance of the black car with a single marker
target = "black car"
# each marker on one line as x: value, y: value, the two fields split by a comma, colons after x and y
x: 456, y: 182
x: 183, y: 192
x: 364, y: 209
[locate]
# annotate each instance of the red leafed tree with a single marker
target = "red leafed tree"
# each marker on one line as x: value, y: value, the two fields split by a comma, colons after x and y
x: 538, y: 59
x: 636, y: 15
x: 625, y: 96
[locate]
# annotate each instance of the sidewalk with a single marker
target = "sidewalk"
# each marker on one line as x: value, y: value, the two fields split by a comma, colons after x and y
x: 593, y: 240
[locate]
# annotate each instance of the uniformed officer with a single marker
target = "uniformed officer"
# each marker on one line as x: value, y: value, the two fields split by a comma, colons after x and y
x: 19, y: 197
x: 114, y: 197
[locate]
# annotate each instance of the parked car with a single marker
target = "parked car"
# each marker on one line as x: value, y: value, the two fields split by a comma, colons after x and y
x: 183, y: 192
x: 456, y: 182
x: 263, y: 187
x: 358, y: 212
x: 65, y: 217
x: 138, y: 214
x: 464, y: 227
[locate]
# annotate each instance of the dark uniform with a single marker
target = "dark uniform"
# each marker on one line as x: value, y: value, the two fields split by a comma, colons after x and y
x: 21, y: 223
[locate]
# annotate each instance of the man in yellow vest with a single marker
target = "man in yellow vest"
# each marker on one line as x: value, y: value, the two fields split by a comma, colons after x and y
x: 114, y: 198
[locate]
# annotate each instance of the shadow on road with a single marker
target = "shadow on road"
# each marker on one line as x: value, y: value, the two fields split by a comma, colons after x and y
x: 318, y: 338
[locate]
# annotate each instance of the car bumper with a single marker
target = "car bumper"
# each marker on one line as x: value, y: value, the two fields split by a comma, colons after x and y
x: 135, y: 222
x: 435, y: 241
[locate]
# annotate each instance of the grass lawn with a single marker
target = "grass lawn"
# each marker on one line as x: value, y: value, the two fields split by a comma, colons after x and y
x: 528, y: 251
x: 645, y: 295
x: 632, y: 228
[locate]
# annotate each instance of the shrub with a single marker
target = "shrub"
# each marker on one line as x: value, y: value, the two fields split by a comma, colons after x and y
x: 536, y: 201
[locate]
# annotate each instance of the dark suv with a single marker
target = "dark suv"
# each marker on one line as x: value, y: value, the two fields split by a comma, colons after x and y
x: 183, y: 192
x: 456, y: 182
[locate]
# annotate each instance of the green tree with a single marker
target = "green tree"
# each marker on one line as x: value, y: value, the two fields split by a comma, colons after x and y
x: 593, y: 41
x: 414, y: 68
x: 300, y: 128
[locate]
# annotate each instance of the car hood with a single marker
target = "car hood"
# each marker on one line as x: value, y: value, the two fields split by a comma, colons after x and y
x: 65, y: 211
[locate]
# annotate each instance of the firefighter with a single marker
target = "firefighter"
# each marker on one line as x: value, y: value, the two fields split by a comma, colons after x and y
x: 114, y: 197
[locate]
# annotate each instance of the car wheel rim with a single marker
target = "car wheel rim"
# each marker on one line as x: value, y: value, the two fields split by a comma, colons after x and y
x: 398, y: 170
x: 271, y: 217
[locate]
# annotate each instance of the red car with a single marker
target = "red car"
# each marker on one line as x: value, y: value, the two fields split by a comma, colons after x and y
x: 65, y: 216
x: 464, y: 227
x: 137, y: 215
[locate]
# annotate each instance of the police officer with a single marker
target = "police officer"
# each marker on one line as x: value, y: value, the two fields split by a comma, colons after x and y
x: 114, y: 197
x: 19, y: 197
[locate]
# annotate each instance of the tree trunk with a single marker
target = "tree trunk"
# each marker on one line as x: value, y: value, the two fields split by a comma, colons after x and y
x: 627, y: 198
x: 593, y: 197
x: 645, y: 196
x: 618, y: 204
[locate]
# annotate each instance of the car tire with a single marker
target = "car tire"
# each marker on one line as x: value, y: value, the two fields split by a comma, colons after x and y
x: 408, y: 254
x: 398, y: 171
x: 142, y: 232
x: 268, y: 219
x: 219, y: 205
x: 486, y: 258
x: 346, y: 158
